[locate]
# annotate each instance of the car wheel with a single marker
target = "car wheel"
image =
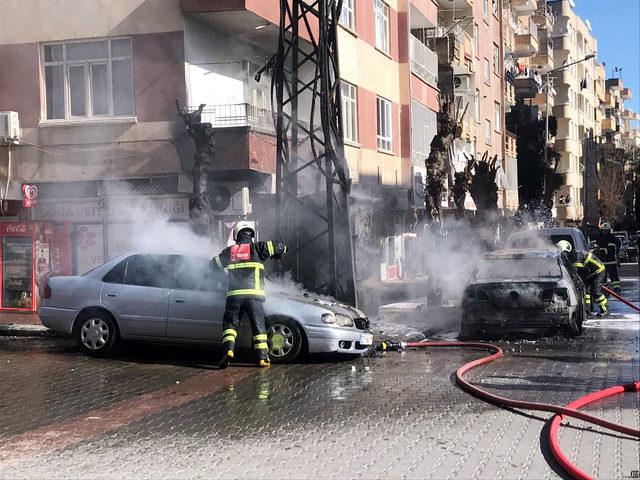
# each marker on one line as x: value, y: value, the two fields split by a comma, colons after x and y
x: 573, y: 328
x: 96, y: 334
x: 285, y: 339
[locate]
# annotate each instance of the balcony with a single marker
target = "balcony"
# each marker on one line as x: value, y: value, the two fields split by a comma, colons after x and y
x: 614, y: 84
x: 528, y: 85
x: 526, y: 40
x: 626, y: 93
x: 544, y: 17
x: 524, y: 7
x: 564, y: 110
x: 628, y: 115
x: 455, y: 49
x: 543, y: 60
x: 424, y: 62
x: 609, y: 101
x: 509, y: 94
x: 609, y: 124
x: 238, y: 115
x: 563, y: 42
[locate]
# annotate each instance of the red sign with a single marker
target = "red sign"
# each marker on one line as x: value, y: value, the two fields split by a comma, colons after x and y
x: 29, y: 195
x: 14, y: 228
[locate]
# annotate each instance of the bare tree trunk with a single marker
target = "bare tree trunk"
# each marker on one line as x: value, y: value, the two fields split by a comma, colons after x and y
x: 449, y: 128
x: 611, y: 184
x: 202, y: 134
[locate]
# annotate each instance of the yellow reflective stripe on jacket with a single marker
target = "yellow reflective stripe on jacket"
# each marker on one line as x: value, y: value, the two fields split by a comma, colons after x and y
x: 246, y: 291
x: 256, y: 265
x: 272, y: 251
x: 284, y: 250
x: 229, y: 331
x: 219, y: 262
x: 260, y: 336
x: 261, y: 346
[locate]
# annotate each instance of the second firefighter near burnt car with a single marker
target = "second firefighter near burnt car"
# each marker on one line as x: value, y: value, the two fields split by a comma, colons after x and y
x: 591, y: 272
x: 245, y: 293
x: 607, y: 247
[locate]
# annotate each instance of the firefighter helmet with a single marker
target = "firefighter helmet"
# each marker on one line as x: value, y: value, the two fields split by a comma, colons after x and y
x: 606, y: 226
x: 242, y: 225
x: 564, y: 246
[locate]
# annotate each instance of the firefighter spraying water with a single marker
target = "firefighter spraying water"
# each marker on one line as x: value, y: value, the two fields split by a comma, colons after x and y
x: 245, y: 294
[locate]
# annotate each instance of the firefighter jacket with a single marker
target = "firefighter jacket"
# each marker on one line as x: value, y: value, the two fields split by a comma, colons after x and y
x: 587, y: 264
x: 244, y: 266
x: 607, y: 247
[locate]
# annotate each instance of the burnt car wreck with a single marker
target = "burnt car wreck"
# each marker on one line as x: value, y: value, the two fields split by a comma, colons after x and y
x: 523, y: 291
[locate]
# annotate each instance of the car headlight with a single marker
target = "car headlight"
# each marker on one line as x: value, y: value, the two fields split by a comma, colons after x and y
x: 344, y: 320
x: 328, y: 318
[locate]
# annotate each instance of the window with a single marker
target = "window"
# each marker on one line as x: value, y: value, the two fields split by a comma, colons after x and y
x: 497, y: 116
x: 347, y: 15
x: 476, y: 46
x: 476, y: 110
x: 150, y: 271
x: 487, y: 72
x: 88, y: 79
x: 485, y: 9
x: 349, y: 94
x: 496, y: 59
x: 382, y: 25
x: 384, y: 124
x: 195, y: 273
x: 487, y: 132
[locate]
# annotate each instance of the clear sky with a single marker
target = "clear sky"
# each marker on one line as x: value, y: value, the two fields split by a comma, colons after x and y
x: 616, y: 26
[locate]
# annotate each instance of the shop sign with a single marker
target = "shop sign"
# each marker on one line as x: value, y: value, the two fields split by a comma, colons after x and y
x: 29, y: 195
x: 17, y: 228
x: 144, y: 209
x: 83, y: 212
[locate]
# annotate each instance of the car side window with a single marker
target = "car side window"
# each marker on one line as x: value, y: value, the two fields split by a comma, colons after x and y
x: 150, y: 271
x: 116, y: 274
x: 195, y: 273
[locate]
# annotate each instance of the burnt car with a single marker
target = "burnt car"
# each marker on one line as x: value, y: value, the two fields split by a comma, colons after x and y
x: 523, y: 291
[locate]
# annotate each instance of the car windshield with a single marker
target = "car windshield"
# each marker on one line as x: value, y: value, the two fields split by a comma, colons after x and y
x: 518, y: 267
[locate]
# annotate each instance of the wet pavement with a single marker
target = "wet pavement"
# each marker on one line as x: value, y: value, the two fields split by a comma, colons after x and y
x: 162, y: 412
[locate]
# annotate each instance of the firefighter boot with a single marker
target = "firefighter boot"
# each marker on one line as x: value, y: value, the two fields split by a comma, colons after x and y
x: 228, y: 345
x: 262, y: 348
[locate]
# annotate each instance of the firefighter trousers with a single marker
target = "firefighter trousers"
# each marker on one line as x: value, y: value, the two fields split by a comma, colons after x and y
x: 595, y: 293
x: 236, y: 308
x: 612, y: 273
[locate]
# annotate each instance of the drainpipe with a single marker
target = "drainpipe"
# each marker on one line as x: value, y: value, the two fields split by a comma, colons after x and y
x: 503, y: 109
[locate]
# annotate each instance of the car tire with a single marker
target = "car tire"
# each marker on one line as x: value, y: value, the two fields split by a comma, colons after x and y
x: 96, y: 334
x: 574, y: 327
x: 285, y: 338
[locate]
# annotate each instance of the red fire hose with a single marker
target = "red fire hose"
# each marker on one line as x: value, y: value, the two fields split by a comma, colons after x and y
x: 621, y: 298
x: 570, y: 410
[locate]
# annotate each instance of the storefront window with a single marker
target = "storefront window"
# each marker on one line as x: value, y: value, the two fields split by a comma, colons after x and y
x: 17, y: 272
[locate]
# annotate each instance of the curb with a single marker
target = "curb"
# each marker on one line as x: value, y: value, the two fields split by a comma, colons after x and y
x: 16, y: 330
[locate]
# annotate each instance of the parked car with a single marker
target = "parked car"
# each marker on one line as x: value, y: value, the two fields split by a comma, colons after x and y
x: 623, y: 253
x: 181, y: 298
x: 546, y: 237
x: 632, y: 248
x: 523, y: 291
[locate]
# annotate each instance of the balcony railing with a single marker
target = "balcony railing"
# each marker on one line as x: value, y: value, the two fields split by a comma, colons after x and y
x: 238, y: 115
x: 424, y: 62
x: 527, y: 39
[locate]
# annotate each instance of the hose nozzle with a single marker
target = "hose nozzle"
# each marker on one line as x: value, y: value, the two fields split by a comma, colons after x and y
x: 389, y: 346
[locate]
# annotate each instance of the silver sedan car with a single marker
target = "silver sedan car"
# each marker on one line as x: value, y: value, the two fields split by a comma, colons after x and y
x: 181, y: 298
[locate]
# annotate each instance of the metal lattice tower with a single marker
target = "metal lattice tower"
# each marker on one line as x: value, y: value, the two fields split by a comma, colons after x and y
x: 312, y: 175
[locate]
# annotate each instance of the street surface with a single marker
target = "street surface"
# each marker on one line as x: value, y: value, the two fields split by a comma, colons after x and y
x: 159, y: 412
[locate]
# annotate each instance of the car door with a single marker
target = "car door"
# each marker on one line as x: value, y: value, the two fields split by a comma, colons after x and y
x: 137, y: 292
x: 197, y: 304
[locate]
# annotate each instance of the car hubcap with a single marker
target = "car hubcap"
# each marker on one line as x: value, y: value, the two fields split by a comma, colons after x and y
x: 94, y: 333
x: 281, y: 340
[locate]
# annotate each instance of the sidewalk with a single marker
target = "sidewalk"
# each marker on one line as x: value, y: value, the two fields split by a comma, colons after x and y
x: 22, y: 324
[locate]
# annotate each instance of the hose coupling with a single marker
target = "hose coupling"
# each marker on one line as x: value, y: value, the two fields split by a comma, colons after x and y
x: 389, y: 346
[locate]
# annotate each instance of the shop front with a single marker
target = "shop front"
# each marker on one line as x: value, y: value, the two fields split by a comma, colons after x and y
x: 30, y: 252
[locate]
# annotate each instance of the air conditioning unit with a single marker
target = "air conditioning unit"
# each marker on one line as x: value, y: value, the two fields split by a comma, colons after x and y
x: 9, y: 127
x: 418, y: 185
x: 462, y: 83
x: 230, y: 198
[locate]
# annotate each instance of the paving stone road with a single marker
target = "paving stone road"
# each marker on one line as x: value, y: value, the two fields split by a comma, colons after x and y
x: 159, y: 412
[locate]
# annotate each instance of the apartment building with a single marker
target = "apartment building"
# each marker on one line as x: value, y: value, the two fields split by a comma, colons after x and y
x: 576, y: 107
x: 95, y: 94
x: 619, y: 129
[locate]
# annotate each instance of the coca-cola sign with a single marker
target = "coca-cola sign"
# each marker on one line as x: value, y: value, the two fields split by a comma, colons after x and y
x: 17, y: 228
x: 29, y: 195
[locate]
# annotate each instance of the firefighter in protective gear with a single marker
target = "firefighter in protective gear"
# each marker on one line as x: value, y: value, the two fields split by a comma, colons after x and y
x: 607, y: 247
x: 592, y: 273
x: 245, y: 293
